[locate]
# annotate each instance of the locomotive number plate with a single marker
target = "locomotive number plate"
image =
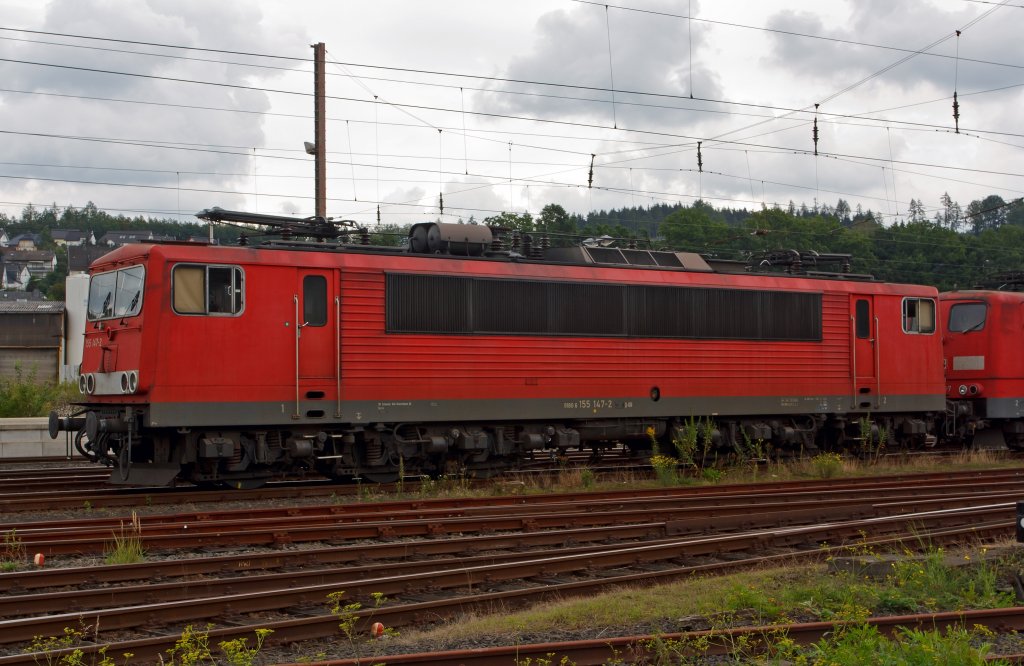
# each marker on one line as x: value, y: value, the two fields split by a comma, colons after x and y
x: 597, y: 403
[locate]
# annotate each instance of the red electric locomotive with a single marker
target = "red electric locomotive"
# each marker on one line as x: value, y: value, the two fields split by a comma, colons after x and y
x: 985, y: 364
x: 233, y: 364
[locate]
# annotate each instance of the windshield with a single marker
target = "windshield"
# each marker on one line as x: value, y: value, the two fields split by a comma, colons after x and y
x: 965, y: 317
x: 116, y: 294
x: 128, y: 297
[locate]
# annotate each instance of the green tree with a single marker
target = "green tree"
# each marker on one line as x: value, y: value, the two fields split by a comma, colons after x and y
x: 915, y: 211
x: 951, y: 215
x: 556, y: 221
x: 1015, y: 213
x: 842, y: 211
x: 988, y: 213
x: 388, y: 235
x: 696, y: 227
x: 523, y: 222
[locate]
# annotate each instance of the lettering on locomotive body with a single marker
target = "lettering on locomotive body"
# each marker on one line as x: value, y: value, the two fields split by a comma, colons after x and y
x: 597, y: 403
x: 811, y: 403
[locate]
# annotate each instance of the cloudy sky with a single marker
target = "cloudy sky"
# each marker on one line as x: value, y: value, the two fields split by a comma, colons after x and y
x: 165, y: 107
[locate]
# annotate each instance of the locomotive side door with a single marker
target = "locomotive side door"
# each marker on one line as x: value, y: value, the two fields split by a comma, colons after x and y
x: 316, y: 342
x: 864, y: 364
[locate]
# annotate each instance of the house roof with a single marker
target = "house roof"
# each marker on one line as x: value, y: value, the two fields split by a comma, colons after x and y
x: 81, y: 256
x: 36, y: 239
x: 120, y: 237
x: 55, y: 307
x: 26, y: 256
x: 12, y: 295
x: 68, y: 235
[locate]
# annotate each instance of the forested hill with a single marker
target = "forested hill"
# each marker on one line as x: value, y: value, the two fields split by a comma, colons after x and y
x: 946, y: 246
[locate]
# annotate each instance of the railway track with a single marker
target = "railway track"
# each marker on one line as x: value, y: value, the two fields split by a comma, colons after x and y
x: 441, y: 591
x: 720, y: 642
x: 56, y: 488
x: 34, y: 500
x: 737, y: 508
x: 70, y: 485
x: 51, y: 480
x: 435, y: 558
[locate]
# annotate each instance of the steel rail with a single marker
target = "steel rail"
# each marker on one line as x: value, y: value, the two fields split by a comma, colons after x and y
x: 190, y: 609
x: 128, y: 497
x: 192, y: 531
x: 22, y: 581
x: 719, y: 642
x: 424, y: 612
x: 189, y: 536
x: 420, y: 506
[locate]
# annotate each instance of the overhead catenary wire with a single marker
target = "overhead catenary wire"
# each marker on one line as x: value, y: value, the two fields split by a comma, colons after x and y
x: 652, y: 197
x: 466, y: 165
x: 871, y: 76
x: 241, y: 152
x: 972, y: 22
x: 406, y: 108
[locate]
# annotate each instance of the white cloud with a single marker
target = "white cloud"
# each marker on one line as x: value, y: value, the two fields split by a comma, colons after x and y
x: 236, y: 160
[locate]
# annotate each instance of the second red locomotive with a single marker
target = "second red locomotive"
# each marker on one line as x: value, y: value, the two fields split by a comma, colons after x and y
x: 985, y: 363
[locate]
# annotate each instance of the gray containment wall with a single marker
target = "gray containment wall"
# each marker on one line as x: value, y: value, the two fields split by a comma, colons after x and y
x: 29, y: 438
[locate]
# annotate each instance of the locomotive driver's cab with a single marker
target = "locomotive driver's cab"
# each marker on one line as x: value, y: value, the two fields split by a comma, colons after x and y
x: 110, y: 357
x: 109, y: 376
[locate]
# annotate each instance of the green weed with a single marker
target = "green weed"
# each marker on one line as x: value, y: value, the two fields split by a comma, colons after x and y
x: 127, y: 547
x: 193, y: 649
x: 12, y: 551
x: 910, y: 647
x: 349, y: 617
x: 70, y: 643
x: 827, y: 465
x: 23, y: 395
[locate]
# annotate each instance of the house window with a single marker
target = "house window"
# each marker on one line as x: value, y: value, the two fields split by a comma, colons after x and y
x: 918, y: 315
x: 207, y: 290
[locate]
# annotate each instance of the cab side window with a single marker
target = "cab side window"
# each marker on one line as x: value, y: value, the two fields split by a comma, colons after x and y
x: 918, y: 315
x: 207, y: 290
x: 863, y: 319
x: 314, y: 300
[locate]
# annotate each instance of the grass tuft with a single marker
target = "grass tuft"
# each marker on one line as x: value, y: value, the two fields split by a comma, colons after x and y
x: 127, y: 547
